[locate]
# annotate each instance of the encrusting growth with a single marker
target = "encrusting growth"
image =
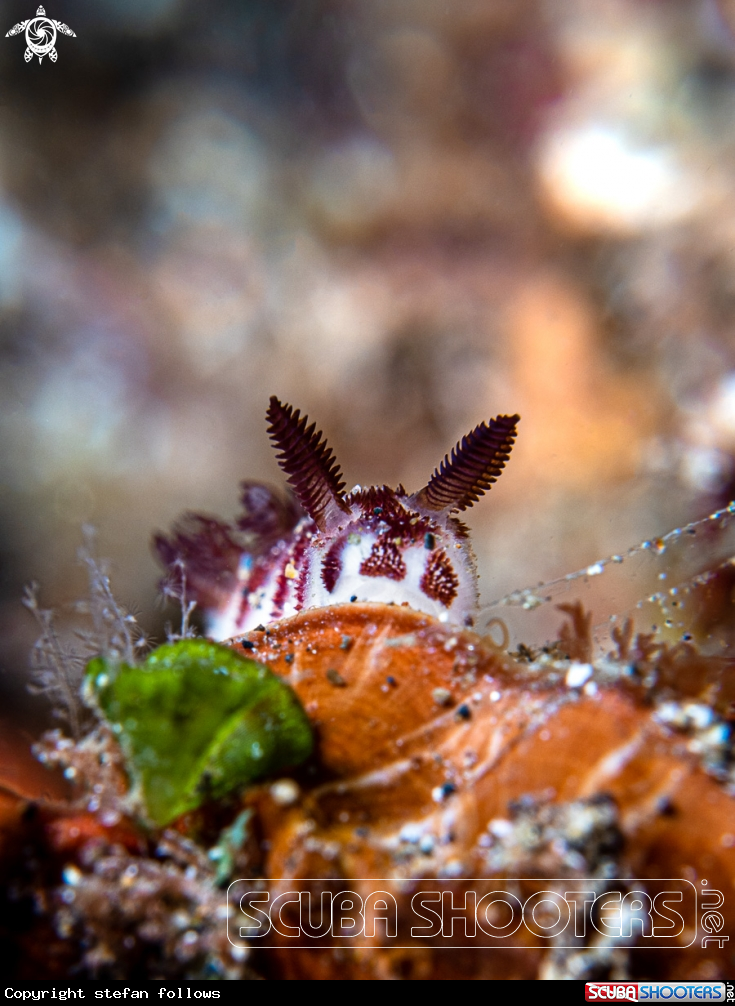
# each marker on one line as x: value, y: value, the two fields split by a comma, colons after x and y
x: 327, y: 546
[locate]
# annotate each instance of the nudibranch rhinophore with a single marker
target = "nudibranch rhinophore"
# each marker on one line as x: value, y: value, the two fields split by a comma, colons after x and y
x: 321, y: 546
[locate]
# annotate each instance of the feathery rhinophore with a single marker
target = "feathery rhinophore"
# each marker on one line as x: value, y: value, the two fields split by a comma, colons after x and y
x: 475, y: 464
x: 313, y: 472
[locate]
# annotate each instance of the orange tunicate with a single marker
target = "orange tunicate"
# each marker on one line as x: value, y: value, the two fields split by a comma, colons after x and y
x: 514, y: 742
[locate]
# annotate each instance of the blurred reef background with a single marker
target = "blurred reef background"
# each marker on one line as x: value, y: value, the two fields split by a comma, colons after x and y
x: 402, y: 216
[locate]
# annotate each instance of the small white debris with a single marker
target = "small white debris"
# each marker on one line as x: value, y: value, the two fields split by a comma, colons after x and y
x: 595, y: 569
x: 500, y: 827
x: 712, y: 741
x: 671, y: 713
x: 578, y: 674
x: 699, y: 715
x: 530, y: 602
x: 330, y: 850
x: 426, y: 845
x: 689, y: 715
x: 495, y: 696
x: 590, y: 688
x: 441, y: 793
x: 411, y: 833
x: 72, y: 876
x: 442, y: 696
x: 284, y: 792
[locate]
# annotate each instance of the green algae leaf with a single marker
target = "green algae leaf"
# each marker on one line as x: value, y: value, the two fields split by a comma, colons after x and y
x: 196, y: 721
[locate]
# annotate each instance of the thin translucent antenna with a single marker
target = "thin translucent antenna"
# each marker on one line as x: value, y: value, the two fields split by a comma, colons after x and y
x: 649, y: 583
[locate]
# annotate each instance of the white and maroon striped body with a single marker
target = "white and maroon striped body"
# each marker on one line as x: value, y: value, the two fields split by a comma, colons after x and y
x: 386, y: 549
x: 322, y: 546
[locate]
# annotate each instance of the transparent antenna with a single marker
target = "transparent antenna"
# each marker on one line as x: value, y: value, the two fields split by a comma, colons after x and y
x: 654, y: 584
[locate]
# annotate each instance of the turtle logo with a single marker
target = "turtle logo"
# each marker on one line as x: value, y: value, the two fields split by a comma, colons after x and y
x: 40, y: 35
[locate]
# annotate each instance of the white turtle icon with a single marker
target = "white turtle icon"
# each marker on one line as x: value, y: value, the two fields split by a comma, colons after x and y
x: 40, y: 35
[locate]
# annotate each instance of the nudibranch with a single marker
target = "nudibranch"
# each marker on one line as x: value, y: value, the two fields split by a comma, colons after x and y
x: 320, y: 545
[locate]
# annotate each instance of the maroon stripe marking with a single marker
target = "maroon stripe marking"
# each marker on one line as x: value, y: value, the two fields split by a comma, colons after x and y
x: 281, y: 592
x: 302, y: 544
x: 332, y: 564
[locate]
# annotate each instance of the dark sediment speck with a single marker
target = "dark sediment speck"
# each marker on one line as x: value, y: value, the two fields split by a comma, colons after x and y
x: 335, y: 678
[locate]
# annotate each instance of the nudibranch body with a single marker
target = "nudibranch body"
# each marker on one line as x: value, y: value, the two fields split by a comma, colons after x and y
x: 322, y: 546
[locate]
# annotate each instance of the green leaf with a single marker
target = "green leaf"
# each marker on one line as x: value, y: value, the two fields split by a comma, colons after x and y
x: 196, y: 721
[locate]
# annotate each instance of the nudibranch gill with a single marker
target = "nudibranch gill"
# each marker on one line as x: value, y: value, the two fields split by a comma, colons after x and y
x: 320, y: 545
